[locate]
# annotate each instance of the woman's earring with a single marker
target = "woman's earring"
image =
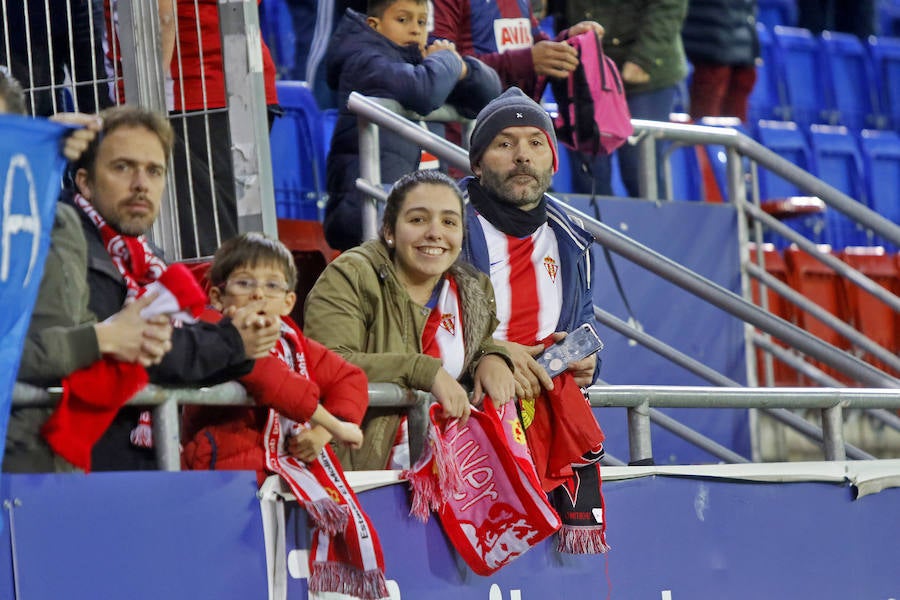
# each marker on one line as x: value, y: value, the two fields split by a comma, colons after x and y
x: 390, y: 243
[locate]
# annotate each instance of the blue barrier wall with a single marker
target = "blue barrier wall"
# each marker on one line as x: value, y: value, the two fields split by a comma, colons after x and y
x: 702, y: 237
x: 198, y: 535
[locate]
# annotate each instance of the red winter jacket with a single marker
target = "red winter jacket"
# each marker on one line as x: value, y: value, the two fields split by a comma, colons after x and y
x: 231, y: 438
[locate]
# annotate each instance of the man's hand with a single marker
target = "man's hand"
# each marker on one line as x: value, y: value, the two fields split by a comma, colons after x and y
x: 633, y: 73
x: 259, y: 332
x: 530, y: 377
x: 554, y: 59
x: 451, y: 396
x: 582, y: 370
x: 583, y: 26
x: 494, y: 378
x: 77, y: 141
x: 308, y: 444
x: 128, y: 337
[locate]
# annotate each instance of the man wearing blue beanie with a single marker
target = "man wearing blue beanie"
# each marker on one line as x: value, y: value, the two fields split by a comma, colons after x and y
x: 539, y: 263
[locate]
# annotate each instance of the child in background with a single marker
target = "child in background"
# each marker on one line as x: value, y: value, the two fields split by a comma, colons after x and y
x: 384, y: 54
x: 292, y: 380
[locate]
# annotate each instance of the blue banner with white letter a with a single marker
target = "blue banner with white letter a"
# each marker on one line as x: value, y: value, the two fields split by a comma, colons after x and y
x: 30, y: 170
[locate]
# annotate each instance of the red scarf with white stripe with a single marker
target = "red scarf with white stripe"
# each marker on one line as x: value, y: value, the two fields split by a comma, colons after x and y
x: 345, y: 556
x: 443, y: 333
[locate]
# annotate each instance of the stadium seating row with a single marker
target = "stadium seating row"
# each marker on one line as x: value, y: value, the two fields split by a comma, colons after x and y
x: 864, y: 164
x: 832, y: 78
x: 838, y: 296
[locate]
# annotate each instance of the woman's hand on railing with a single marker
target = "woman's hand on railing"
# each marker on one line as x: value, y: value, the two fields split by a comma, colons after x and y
x: 451, y: 396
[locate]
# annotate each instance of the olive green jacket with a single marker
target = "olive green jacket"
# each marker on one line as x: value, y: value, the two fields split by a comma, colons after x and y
x: 60, y: 340
x: 359, y: 309
x: 645, y: 32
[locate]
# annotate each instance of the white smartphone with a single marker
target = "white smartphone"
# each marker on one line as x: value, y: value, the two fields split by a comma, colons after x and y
x: 579, y: 344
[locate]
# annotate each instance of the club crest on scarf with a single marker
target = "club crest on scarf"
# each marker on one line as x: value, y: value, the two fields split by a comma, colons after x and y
x: 552, y: 268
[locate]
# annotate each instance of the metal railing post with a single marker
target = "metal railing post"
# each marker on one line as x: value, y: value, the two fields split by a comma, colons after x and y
x: 248, y: 120
x: 833, y: 433
x: 639, y: 443
x: 370, y: 170
x: 648, y: 182
x: 166, y: 435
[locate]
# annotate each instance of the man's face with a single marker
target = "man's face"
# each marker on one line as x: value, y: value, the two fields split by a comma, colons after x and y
x: 127, y: 183
x: 517, y: 166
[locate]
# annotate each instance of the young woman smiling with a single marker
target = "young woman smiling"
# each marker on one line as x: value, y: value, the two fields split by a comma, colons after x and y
x: 404, y: 310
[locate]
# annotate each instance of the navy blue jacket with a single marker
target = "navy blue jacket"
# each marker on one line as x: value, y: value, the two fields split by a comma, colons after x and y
x: 574, y: 254
x: 721, y: 32
x: 362, y: 60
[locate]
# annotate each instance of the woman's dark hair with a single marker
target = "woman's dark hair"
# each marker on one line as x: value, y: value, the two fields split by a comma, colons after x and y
x: 406, y: 183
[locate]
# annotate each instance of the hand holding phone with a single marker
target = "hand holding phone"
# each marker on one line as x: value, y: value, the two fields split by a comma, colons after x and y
x: 579, y: 344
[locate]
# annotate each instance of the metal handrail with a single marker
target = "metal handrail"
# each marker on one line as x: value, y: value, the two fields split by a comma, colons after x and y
x: 640, y: 400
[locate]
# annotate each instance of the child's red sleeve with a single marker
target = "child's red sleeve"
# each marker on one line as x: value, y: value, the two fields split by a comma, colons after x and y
x: 343, y: 386
x: 273, y: 384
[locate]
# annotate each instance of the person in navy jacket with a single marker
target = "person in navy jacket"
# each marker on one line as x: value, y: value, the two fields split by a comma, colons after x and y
x: 384, y: 55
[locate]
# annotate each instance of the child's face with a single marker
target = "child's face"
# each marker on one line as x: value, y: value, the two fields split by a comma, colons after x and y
x: 404, y: 22
x: 247, y: 284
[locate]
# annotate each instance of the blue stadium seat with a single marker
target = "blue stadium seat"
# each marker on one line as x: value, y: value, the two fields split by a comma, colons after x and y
x: 885, y: 54
x: 851, y: 81
x: 881, y: 156
x: 767, y: 100
x: 803, y: 76
x: 787, y: 140
x: 776, y: 12
x: 836, y: 160
x: 298, y: 154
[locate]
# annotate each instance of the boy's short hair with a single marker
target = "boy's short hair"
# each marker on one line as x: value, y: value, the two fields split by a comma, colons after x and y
x: 376, y: 8
x: 251, y: 249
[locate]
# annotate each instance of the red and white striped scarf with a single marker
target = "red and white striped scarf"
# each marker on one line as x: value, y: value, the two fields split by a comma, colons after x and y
x: 345, y: 556
x: 132, y: 255
x: 443, y: 333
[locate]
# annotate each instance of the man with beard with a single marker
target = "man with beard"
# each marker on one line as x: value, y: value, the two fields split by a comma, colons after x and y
x: 120, y: 180
x: 513, y: 153
x: 539, y: 263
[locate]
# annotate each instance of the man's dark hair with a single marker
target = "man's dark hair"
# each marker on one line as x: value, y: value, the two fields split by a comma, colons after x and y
x: 11, y: 93
x: 251, y: 249
x: 127, y: 116
x: 376, y: 8
x: 403, y: 186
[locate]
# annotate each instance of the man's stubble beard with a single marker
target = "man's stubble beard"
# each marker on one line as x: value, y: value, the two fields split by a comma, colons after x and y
x: 497, y: 185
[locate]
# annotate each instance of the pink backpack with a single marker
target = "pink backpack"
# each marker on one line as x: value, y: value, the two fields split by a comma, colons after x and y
x: 593, y: 114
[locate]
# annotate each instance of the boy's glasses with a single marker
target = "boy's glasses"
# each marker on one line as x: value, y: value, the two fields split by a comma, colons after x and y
x: 245, y: 287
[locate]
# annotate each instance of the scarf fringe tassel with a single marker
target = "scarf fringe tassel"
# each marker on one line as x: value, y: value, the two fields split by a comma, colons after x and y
x: 328, y: 515
x: 344, y: 579
x: 581, y: 540
x: 434, y: 479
